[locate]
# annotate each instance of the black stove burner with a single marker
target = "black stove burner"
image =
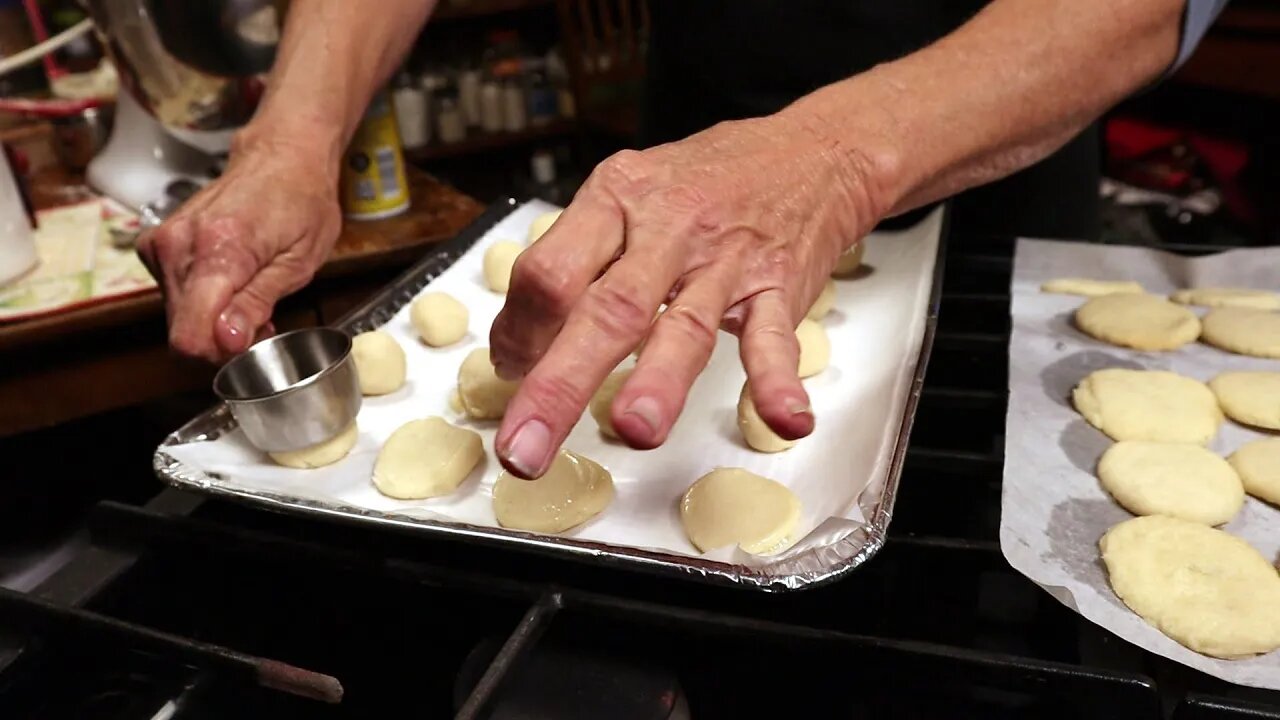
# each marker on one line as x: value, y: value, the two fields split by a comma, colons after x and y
x: 935, y: 626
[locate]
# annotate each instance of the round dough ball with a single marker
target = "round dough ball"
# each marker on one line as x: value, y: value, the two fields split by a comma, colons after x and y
x: 426, y: 458
x: 498, y: 261
x: 1228, y: 297
x: 815, y: 348
x: 439, y: 319
x: 731, y: 506
x: 826, y: 300
x: 573, y: 490
x: 1244, y: 331
x: 1258, y: 463
x: 1250, y: 397
x: 484, y: 395
x: 1090, y: 288
x: 1142, y: 322
x: 602, y: 402
x: 1174, y: 479
x: 1152, y: 405
x: 326, y: 453
x: 755, y: 432
x: 542, y: 224
x: 849, y: 260
x: 1202, y: 587
x: 379, y: 361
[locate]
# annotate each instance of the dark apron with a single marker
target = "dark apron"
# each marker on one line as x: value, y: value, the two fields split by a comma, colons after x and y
x: 715, y: 60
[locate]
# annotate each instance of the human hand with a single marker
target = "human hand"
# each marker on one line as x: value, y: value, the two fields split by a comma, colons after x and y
x: 736, y: 227
x: 254, y: 235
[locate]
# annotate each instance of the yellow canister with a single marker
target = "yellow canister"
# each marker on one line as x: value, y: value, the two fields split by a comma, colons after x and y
x: 373, y: 178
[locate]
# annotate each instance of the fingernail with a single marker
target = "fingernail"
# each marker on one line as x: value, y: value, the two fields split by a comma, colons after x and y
x: 649, y: 412
x: 529, y: 447
x: 236, y: 322
x: 796, y: 406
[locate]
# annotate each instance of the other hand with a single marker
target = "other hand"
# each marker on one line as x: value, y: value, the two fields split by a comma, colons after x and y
x: 254, y: 235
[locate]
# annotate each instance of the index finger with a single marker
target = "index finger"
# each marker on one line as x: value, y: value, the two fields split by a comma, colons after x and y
x: 604, y: 328
x: 549, y: 278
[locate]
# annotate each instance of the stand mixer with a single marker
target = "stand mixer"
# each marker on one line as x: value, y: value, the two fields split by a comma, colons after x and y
x: 191, y: 73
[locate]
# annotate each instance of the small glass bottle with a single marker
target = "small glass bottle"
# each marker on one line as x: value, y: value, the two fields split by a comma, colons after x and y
x: 453, y: 128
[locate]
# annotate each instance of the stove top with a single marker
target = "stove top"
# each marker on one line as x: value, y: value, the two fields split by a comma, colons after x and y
x: 205, y: 609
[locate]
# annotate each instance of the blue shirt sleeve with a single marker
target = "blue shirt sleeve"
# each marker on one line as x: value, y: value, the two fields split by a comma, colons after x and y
x: 1196, y: 19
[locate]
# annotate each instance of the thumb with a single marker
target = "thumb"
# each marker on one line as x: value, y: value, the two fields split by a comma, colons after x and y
x: 247, y: 317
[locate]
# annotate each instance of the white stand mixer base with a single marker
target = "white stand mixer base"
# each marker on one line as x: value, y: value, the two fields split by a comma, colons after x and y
x: 141, y: 161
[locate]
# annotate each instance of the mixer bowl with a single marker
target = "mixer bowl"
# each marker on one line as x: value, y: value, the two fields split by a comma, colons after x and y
x: 197, y: 66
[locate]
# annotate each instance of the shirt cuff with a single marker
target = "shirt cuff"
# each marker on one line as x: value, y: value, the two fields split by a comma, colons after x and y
x: 1197, y: 16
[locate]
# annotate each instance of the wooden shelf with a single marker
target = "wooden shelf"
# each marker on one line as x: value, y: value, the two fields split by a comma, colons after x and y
x: 480, y: 8
x: 479, y: 142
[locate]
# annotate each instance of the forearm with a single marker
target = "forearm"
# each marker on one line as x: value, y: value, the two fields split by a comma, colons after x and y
x: 1000, y: 93
x: 333, y: 56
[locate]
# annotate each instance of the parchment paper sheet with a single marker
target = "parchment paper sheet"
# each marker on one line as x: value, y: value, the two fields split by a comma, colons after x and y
x: 876, y: 331
x: 1054, y: 510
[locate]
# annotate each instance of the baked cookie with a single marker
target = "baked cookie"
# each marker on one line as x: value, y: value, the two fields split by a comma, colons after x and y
x: 1175, y: 479
x: 1090, y: 288
x: 1250, y: 397
x: 1154, y: 405
x: 1142, y: 322
x: 1244, y: 331
x: 1228, y: 297
x: 1206, y: 589
x: 1258, y: 464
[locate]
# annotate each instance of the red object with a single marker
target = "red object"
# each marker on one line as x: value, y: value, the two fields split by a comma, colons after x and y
x: 47, y: 109
x: 51, y: 69
x: 1178, y: 161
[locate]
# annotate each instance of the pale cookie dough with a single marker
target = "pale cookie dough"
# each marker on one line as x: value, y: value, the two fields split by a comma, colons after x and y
x: 380, y: 364
x: 602, y: 402
x: 1244, y: 331
x: 426, y: 458
x: 815, y: 348
x: 1142, y: 322
x: 730, y: 506
x: 1249, y: 397
x: 572, y: 491
x: 849, y: 260
x: 1258, y: 463
x: 755, y: 432
x: 1152, y: 405
x: 482, y: 394
x: 498, y: 261
x: 542, y: 224
x: 1228, y: 297
x: 826, y: 300
x: 1090, y: 288
x: 326, y: 453
x: 1175, y: 479
x: 439, y: 319
x: 1208, y: 590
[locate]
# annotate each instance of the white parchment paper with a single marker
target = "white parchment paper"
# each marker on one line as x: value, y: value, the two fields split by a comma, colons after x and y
x: 876, y: 331
x: 1054, y: 510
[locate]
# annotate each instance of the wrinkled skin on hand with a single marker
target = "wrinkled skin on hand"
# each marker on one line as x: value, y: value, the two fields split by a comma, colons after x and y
x: 254, y: 235
x: 736, y: 227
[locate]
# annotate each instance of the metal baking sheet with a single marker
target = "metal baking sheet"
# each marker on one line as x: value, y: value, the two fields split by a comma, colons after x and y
x: 846, y: 474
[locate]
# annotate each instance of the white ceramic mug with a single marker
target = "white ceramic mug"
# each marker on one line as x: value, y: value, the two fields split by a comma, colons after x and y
x: 17, y: 242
